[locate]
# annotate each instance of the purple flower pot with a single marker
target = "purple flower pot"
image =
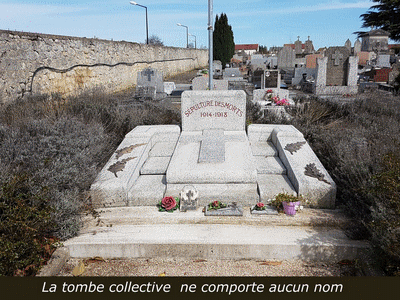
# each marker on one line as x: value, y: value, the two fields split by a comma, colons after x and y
x: 290, y: 207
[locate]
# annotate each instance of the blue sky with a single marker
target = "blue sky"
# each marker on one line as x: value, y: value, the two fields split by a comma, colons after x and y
x: 270, y: 23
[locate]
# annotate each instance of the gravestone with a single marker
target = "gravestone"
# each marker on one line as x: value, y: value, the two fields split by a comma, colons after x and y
x: 272, y: 62
x: 383, y: 61
x: 337, y: 66
x: 298, y: 46
x: 271, y: 79
x: 348, y: 45
x: 188, y: 198
x: 336, y: 73
x: 286, y: 58
x: 357, y: 47
x: 308, y: 46
x: 151, y: 77
x: 217, y: 69
x: 146, y: 92
x: 169, y: 87
x: 310, y: 75
x: 201, y: 83
x: 232, y: 74
x: 257, y: 78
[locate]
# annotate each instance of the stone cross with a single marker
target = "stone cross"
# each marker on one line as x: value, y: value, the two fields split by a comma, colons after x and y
x: 189, y: 194
x: 148, y: 73
x: 337, y: 57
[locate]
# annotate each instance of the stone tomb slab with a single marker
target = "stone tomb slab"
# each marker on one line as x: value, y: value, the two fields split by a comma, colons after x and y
x: 212, y: 147
x: 263, y: 149
x: 270, y: 185
x: 147, y: 190
x: 238, y: 165
x: 270, y: 165
x: 267, y: 211
x: 163, y: 149
x: 156, y: 165
x: 232, y: 209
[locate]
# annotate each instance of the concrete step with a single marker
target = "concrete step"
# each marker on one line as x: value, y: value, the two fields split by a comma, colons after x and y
x: 145, y: 232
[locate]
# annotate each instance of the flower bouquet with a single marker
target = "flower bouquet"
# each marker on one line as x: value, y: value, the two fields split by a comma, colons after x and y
x: 259, y: 206
x: 168, y: 204
x: 216, y: 205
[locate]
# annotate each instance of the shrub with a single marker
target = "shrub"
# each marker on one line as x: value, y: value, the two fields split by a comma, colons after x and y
x: 62, y: 144
x: 25, y: 227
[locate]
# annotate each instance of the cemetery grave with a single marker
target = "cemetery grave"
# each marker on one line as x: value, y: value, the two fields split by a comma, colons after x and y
x: 336, y: 73
x: 213, y: 158
x: 213, y: 153
x: 150, y: 85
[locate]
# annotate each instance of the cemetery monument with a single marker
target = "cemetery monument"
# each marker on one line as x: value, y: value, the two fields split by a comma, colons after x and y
x: 214, y: 154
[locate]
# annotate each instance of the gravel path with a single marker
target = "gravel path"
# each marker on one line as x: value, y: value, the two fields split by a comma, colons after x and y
x: 181, y: 267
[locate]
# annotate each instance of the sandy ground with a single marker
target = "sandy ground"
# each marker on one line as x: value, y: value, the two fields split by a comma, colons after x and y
x: 183, y: 267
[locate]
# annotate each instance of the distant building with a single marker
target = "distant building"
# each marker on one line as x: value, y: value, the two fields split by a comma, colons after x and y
x: 394, y: 49
x: 375, y: 40
x: 302, y: 49
x: 249, y: 49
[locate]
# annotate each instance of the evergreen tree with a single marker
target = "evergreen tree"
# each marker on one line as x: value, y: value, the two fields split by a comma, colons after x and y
x: 223, y: 42
x: 385, y: 15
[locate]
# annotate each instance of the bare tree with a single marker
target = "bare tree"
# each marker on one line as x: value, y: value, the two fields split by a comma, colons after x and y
x: 155, y: 40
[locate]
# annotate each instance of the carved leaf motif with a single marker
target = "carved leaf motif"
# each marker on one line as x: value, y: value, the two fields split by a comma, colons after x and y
x: 293, y: 147
x: 312, y: 171
x: 126, y: 150
x: 119, y: 165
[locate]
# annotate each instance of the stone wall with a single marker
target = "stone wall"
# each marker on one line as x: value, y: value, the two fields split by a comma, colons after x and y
x: 32, y: 63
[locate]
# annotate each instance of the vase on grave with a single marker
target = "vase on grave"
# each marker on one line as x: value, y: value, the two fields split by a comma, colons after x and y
x: 289, y: 208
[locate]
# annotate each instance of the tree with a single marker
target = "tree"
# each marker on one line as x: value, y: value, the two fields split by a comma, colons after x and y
x: 155, y: 40
x: 263, y: 49
x: 223, y: 42
x: 385, y: 15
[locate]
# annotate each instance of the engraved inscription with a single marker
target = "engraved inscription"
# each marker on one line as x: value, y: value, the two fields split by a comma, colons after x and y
x: 212, y: 103
x: 215, y: 115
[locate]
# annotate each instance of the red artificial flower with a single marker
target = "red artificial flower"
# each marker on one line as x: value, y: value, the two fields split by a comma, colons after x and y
x: 168, y: 203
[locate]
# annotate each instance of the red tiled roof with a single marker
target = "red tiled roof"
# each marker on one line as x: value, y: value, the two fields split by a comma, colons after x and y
x: 246, y: 47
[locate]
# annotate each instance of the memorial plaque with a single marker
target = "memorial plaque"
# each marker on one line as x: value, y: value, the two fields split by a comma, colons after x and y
x: 231, y: 210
